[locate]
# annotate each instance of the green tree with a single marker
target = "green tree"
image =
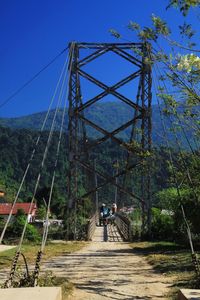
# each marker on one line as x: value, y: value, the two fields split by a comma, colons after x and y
x: 17, y: 225
x: 41, y: 212
x: 162, y: 225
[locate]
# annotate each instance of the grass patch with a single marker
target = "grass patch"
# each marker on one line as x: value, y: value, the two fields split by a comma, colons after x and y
x: 30, y: 251
x: 51, y: 250
x: 170, y: 259
x: 48, y: 279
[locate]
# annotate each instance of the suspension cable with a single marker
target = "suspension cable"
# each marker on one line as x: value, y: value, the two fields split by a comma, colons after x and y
x: 14, y: 264
x: 180, y: 150
x: 55, y: 166
x: 41, y: 167
x: 174, y: 173
x: 46, y: 225
x: 32, y: 78
x: 194, y: 256
x: 32, y: 154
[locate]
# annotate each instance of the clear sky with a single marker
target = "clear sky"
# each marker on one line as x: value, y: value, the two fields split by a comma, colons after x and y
x: 33, y: 32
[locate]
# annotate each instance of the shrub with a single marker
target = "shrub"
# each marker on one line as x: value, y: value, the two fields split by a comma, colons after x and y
x: 15, y: 229
x: 162, y: 225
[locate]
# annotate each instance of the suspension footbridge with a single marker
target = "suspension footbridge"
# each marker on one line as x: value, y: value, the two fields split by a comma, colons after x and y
x: 106, y: 268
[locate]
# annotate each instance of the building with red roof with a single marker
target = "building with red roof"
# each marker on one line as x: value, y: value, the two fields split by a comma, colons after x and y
x: 28, y: 208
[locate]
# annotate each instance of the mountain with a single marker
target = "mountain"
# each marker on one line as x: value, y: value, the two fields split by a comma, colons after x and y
x: 108, y: 115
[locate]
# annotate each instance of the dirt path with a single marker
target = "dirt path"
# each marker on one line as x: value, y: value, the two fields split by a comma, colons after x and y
x: 4, y: 248
x: 109, y: 270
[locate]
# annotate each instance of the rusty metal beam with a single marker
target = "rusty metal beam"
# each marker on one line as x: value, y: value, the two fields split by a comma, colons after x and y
x: 80, y: 154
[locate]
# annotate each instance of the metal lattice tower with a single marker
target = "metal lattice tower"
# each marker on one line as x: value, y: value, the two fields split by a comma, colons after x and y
x: 137, y: 148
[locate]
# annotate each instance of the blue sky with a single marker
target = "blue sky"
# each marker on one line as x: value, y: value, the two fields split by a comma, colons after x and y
x: 33, y: 32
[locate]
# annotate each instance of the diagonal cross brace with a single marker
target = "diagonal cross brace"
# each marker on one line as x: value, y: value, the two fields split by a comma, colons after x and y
x: 112, y: 89
x: 105, y: 132
x: 92, y: 56
x: 110, y: 179
x: 127, y: 56
x: 114, y: 132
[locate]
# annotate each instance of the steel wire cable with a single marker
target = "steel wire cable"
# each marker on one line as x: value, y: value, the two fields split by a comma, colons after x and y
x: 42, y: 164
x: 57, y: 155
x: 180, y: 149
x: 182, y: 155
x: 4, y: 102
x: 32, y: 154
x: 36, y: 185
x: 174, y: 174
x: 46, y: 226
x: 180, y: 123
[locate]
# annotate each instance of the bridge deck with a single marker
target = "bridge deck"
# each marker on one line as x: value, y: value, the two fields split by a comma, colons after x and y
x: 108, y: 233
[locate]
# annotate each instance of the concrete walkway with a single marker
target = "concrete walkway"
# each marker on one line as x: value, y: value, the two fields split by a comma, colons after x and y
x: 39, y: 293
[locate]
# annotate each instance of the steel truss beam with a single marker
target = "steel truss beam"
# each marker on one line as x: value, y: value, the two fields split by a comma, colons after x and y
x: 80, y: 158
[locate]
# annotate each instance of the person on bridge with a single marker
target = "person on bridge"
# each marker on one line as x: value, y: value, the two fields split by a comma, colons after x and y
x: 113, y: 212
x: 114, y: 208
x: 104, y: 214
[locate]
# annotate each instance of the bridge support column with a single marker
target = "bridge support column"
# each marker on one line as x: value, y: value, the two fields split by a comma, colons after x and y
x: 137, y: 149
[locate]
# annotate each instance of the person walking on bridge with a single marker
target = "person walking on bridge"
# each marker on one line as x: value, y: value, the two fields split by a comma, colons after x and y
x: 104, y: 214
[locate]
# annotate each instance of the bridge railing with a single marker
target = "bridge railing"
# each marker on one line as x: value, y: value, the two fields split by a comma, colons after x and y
x: 124, y: 227
x: 91, y: 226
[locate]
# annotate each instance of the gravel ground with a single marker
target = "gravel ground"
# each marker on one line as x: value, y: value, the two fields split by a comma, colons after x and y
x: 109, y: 270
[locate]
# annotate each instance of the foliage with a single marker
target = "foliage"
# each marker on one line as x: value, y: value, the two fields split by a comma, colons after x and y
x: 179, y: 70
x: 189, y: 62
x: 49, y: 279
x: 136, y: 219
x: 183, y: 5
x: 16, y: 227
x: 17, y: 146
x: 109, y: 115
x: 165, y: 195
x: 178, y: 98
x: 41, y: 212
x: 170, y: 200
x: 162, y: 225
x: 76, y: 221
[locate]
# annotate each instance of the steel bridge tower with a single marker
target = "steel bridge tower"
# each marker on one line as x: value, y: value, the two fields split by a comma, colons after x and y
x: 136, y: 159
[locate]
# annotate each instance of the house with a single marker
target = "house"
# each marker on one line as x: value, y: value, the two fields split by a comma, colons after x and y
x: 28, y: 208
x: 127, y: 210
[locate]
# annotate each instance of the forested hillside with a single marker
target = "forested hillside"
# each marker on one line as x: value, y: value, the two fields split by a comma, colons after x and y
x: 17, y: 146
x: 109, y: 115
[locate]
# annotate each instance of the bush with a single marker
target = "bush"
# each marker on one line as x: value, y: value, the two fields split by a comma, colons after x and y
x: 16, y: 227
x: 170, y: 200
x: 162, y: 225
x: 32, y: 233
